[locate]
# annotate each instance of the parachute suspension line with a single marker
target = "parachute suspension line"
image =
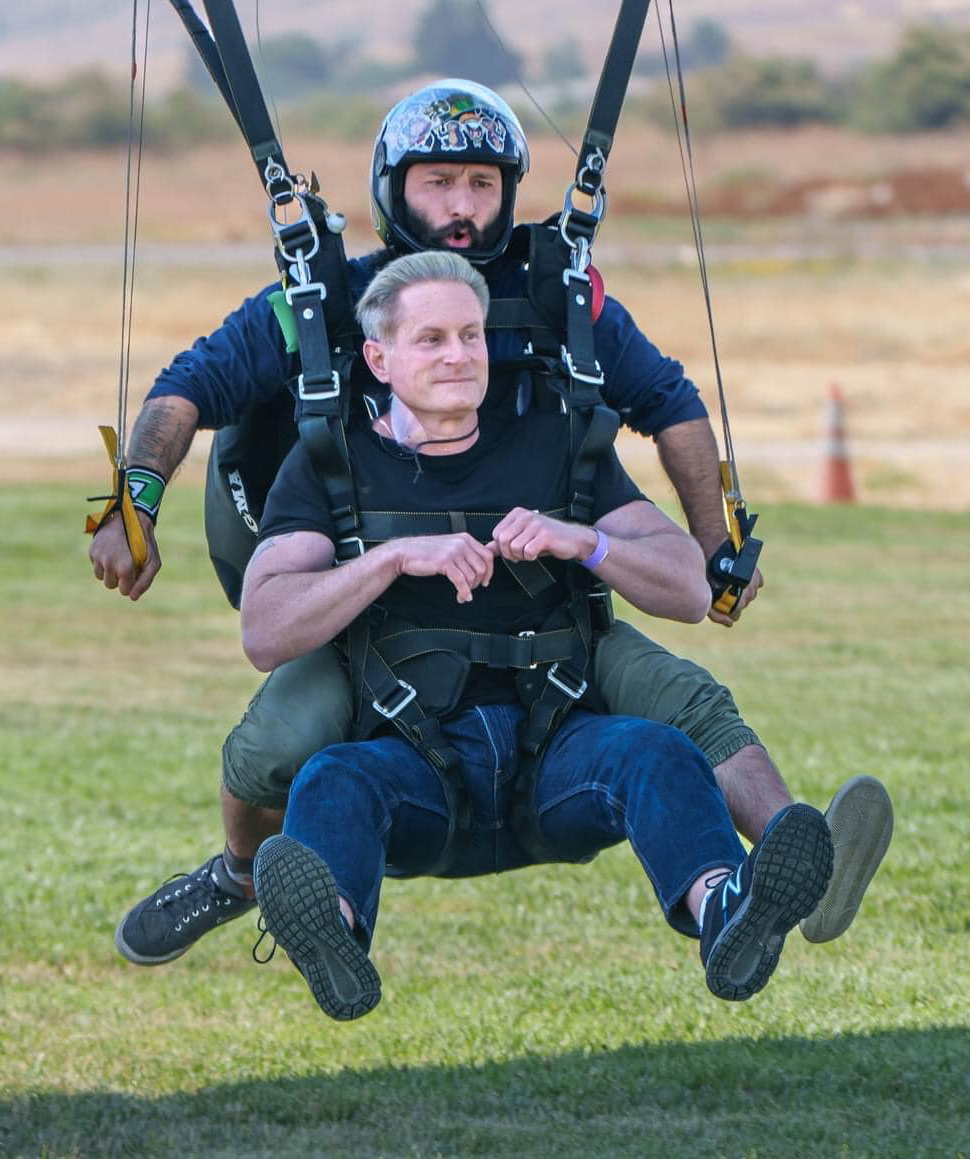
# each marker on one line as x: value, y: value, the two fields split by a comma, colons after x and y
x: 693, y: 202
x: 132, y: 199
x: 520, y: 82
x: 120, y: 498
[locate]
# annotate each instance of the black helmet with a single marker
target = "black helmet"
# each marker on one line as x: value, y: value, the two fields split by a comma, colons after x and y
x: 449, y: 120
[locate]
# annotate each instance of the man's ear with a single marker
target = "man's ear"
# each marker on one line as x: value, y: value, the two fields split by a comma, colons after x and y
x: 376, y: 358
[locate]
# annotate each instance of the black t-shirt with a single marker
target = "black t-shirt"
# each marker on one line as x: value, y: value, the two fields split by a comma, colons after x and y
x: 524, y: 463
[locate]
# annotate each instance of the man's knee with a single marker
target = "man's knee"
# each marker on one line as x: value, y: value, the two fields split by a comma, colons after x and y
x: 301, y: 708
x: 637, y: 677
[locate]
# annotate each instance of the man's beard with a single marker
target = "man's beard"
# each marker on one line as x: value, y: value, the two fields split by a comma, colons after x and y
x: 436, y: 239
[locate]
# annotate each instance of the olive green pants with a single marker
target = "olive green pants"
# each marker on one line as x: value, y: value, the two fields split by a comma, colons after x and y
x: 306, y: 705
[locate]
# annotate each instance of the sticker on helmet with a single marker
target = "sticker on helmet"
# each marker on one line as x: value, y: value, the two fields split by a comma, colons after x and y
x: 451, y: 125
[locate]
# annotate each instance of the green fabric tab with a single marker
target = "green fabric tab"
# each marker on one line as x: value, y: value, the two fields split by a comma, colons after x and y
x: 284, y: 315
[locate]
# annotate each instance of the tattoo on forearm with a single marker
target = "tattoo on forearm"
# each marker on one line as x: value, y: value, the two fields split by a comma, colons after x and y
x: 161, y: 437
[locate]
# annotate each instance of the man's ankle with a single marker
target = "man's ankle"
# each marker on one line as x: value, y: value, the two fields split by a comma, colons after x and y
x: 239, y: 870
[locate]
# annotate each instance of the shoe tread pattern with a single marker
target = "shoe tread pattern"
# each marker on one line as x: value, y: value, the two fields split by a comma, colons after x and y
x: 789, y: 876
x: 300, y: 905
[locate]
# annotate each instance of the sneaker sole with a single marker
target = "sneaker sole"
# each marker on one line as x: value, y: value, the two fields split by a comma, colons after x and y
x: 300, y: 905
x: 860, y: 819
x: 789, y: 876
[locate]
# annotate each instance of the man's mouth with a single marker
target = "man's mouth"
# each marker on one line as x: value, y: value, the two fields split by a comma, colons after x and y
x: 458, y: 239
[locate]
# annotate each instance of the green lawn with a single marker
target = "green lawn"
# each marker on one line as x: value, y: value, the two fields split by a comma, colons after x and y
x: 549, y: 1012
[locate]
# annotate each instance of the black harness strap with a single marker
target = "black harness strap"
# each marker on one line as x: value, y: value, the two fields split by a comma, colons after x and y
x: 247, y: 98
x: 563, y: 687
x: 395, y: 702
x: 610, y: 94
x: 206, y: 48
x: 515, y: 314
x: 497, y: 650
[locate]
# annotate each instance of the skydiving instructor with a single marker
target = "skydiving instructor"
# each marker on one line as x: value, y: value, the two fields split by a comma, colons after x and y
x: 446, y: 166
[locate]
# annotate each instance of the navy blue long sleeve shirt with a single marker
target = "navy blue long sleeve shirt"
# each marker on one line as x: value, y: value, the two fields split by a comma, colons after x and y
x: 245, y: 361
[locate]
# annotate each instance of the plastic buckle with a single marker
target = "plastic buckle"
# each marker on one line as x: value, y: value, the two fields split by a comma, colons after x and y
x: 524, y: 635
x: 315, y: 395
x: 410, y: 692
x: 572, y: 693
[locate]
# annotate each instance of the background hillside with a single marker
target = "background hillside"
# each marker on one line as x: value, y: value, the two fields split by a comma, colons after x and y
x: 50, y: 35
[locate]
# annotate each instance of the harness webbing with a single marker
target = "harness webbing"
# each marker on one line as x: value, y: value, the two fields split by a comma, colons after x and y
x: 206, y: 48
x: 610, y: 94
x: 228, y: 62
x: 558, y: 315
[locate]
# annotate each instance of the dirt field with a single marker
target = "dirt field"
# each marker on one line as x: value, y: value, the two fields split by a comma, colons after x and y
x: 876, y: 304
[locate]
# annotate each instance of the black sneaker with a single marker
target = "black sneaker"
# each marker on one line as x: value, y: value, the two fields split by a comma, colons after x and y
x: 748, y: 914
x: 182, y: 909
x: 298, y: 898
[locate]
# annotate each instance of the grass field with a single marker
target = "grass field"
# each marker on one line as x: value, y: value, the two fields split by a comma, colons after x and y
x: 548, y: 1013
x: 544, y: 1013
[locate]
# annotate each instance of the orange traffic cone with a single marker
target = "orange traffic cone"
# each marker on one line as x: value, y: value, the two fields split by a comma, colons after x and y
x: 836, y: 475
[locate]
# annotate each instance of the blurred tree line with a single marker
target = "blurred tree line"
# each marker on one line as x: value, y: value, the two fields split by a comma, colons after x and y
x: 925, y: 84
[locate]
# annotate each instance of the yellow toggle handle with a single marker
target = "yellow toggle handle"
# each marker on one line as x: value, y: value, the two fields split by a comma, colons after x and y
x: 133, y: 529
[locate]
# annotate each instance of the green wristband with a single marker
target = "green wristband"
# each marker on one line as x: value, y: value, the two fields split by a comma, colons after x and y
x: 146, y: 488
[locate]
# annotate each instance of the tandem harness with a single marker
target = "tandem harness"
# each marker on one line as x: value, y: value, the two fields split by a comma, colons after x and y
x: 406, y: 677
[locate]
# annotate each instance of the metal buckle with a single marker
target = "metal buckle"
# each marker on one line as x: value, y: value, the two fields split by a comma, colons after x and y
x: 522, y: 636
x: 592, y: 379
x: 318, y: 288
x: 390, y: 713
x: 571, y: 275
x: 355, y: 539
x: 572, y: 693
x: 281, y: 227
x: 314, y: 395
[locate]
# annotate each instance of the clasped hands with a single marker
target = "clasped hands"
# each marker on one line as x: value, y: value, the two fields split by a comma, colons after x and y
x: 520, y: 535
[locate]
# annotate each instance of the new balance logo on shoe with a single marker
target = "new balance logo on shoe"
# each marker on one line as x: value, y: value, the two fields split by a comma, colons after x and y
x: 779, y: 883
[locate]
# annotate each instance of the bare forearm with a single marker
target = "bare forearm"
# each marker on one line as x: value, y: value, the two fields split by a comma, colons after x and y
x: 662, y: 574
x: 163, y: 433
x: 651, y: 562
x: 689, y: 454
x: 289, y: 614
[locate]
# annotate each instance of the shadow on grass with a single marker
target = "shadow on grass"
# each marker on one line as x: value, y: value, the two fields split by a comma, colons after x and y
x: 891, y: 1093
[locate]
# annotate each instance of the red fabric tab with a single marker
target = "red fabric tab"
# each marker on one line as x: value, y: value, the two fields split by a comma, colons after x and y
x: 599, y: 290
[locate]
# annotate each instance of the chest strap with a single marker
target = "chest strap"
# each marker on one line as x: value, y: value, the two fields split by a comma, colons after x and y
x: 374, y: 527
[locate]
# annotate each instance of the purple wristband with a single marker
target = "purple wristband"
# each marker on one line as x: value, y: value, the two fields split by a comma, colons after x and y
x: 600, y: 552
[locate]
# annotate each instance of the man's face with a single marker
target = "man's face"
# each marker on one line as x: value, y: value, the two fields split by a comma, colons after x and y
x: 436, y: 361
x: 453, y: 206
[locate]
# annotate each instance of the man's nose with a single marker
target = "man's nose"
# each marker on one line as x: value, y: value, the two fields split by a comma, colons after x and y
x: 454, y: 349
x: 461, y: 202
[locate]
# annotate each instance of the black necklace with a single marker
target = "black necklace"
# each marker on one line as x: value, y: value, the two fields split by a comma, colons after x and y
x: 440, y: 442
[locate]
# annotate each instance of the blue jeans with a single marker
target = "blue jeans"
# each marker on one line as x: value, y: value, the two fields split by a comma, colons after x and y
x: 366, y: 806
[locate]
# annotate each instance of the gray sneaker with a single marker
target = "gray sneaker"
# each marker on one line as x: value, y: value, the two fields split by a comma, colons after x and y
x: 298, y: 898
x: 165, y: 924
x: 860, y: 818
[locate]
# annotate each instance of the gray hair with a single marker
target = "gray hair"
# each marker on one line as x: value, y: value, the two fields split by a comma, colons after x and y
x: 377, y: 308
